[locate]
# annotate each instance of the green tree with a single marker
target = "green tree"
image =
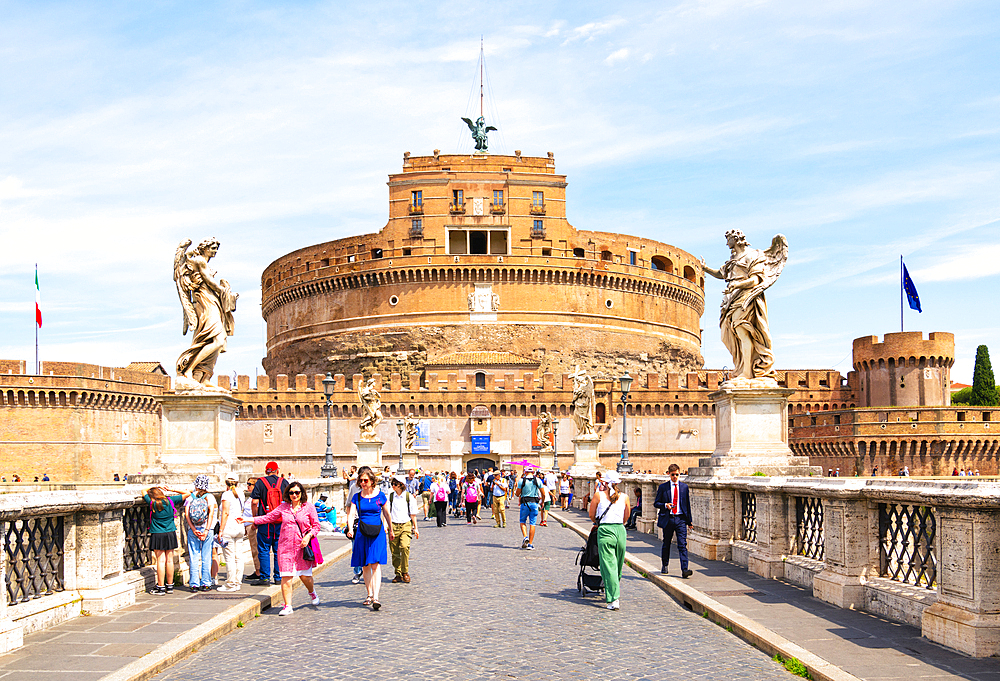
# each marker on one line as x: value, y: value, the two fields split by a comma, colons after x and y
x: 984, y: 389
x: 961, y: 396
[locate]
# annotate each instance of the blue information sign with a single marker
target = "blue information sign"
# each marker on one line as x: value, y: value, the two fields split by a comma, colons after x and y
x: 480, y: 444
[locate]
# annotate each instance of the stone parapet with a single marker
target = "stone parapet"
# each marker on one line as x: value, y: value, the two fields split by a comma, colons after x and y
x: 921, y: 552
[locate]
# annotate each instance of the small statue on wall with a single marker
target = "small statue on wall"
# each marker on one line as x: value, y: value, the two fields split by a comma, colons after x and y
x: 371, y: 410
x: 743, y: 319
x: 410, y: 430
x: 208, y: 306
x: 543, y: 433
x: 583, y: 403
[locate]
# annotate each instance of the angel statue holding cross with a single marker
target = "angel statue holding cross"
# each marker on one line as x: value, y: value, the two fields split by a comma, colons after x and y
x: 745, y: 332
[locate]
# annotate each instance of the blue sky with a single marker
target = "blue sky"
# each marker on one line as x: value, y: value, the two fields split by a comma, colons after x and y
x: 861, y: 130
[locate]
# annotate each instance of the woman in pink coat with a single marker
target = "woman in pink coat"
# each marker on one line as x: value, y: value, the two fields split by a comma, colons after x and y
x: 299, y: 524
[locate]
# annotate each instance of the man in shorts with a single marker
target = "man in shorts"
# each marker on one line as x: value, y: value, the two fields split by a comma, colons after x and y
x: 530, y: 492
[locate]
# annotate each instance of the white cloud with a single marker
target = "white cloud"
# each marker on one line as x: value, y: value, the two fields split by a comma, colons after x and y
x: 617, y: 56
x: 592, y: 29
x: 969, y: 262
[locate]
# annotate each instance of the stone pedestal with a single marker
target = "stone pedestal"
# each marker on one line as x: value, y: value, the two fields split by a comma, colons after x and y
x: 100, y: 563
x: 966, y: 616
x: 847, y: 555
x: 370, y: 453
x: 199, y: 437
x: 586, y: 454
x: 751, y: 436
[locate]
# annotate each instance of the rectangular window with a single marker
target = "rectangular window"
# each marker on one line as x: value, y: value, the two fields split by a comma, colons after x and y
x: 986, y: 416
x: 416, y: 227
x: 632, y: 255
x: 407, y: 251
x: 458, y: 242
x: 418, y: 198
x: 458, y: 197
x: 477, y: 243
x: 836, y: 419
x: 537, y: 228
x: 498, y: 242
x: 376, y: 253
x: 498, y: 197
x: 546, y: 252
x: 352, y: 258
x: 537, y: 199
x: 961, y: 415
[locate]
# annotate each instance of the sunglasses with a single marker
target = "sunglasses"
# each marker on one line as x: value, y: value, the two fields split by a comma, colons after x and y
x: 294, y: 492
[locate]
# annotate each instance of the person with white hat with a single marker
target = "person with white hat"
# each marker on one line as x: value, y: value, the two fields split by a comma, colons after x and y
x: 232, y: 535
x: 608, y: 510
x: 403, y: 510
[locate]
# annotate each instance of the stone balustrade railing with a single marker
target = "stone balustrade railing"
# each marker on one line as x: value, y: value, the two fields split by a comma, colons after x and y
x: 922, y: 552
x: 85, y: 551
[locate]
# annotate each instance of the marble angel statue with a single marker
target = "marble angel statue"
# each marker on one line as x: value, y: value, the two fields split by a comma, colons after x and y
x: 208, y: 306
x: 743, y: 320
x: 543, y: 433
x: 371, y: 409
x: 583, y: 403
x: 410, y: 431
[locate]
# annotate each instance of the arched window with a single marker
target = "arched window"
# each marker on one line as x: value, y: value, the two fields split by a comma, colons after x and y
x: 658, y: 262
x: 480, y: 380
x: 600, y: 412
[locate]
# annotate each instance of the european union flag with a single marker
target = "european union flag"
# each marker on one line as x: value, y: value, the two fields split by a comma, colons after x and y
x: 911, y: 291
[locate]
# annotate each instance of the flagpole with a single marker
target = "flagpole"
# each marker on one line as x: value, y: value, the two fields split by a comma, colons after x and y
x: 901, y: 294
x: 36, y: 320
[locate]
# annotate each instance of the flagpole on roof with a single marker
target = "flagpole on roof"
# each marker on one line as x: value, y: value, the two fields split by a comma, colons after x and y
x: 901, y: 294
x: 37, y: 318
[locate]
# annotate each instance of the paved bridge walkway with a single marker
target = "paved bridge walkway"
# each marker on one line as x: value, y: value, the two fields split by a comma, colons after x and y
x: 481, y: 608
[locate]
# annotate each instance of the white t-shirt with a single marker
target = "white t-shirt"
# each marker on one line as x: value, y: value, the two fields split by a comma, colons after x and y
x: 551, y: 481
x: 399, y: 510
x: 442, y: 486
x: 616, y: 514
x: 232, y: 527
x: 564, y: 486
x: 248, y: 511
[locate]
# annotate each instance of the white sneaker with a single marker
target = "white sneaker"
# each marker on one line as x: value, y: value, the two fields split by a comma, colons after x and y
x: 613, y: 605
x: 226, y: 587
x: 287, y: 610
x: 315, y: 598
x: 524, y: 543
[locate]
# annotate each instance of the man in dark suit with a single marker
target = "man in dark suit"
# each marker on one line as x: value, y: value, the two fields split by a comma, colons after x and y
x: 674, y: 504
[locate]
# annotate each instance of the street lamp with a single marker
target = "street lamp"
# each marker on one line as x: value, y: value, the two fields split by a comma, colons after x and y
x: 328, y: 470
x: 625, y: 466
x: 399, y: 429
x: 555, y: 446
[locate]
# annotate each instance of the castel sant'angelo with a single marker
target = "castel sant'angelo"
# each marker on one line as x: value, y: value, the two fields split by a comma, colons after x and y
x: 478, y: 255
x: 471, y: 310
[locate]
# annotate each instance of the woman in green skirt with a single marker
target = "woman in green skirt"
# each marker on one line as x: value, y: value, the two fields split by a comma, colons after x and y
x: 608, y: 510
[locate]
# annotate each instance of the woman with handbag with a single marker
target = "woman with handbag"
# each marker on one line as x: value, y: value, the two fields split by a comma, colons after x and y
x: 297, y: 544
x: 370, y: 509
x: 608, y: 510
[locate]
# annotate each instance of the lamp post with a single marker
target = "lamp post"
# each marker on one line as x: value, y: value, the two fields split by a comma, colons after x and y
x: 555, y: 447
x: 400, y: 424
x: 625, y: 466
x: 328, y: 470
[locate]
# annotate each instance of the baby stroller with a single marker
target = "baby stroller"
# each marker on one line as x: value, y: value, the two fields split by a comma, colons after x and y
x: 588, y: 559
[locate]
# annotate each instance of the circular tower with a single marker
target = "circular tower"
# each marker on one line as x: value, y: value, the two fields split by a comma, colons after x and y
x: 904, y: 370
x: 477, y: 255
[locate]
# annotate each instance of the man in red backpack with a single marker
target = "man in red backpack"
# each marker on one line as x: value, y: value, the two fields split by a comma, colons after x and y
x: 267, y: 495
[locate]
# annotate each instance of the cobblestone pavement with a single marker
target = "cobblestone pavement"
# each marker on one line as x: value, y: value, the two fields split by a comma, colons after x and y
x: 479, y: 607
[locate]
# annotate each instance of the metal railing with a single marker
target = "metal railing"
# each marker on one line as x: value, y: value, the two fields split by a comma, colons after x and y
x: 809, y: 528
x: 906, y: 544
x: 136, y: 525
x: 748, y: 517
x: 34, y: 548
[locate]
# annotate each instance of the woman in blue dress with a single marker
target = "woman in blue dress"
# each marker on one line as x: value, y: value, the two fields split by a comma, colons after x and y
x: 371, y: 507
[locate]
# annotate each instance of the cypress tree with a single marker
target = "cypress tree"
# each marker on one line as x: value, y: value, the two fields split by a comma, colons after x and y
x: 984, y: 389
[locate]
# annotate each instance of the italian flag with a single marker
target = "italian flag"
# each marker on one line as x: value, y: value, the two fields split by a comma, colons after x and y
x: 38, y: 300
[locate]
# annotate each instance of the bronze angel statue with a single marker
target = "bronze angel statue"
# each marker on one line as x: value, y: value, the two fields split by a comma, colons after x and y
x: 208, y: 308
x: 479, y: 130
x: 748, y: 273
